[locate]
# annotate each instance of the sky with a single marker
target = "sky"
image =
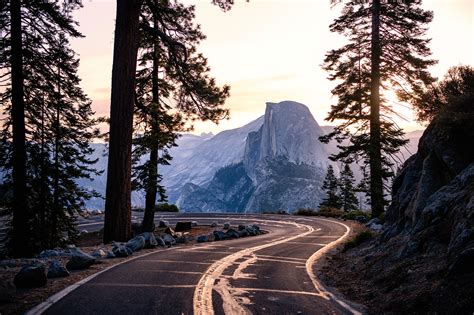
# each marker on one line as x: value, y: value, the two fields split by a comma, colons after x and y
x: 267, y: 51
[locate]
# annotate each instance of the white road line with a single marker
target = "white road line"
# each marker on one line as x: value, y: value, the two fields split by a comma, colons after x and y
x: 202, y: 301
x: 141, y: 285
x: 317, y: 284
x: 280, y: 291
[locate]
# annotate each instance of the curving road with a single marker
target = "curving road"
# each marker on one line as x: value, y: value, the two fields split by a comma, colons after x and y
x: 268, y: 274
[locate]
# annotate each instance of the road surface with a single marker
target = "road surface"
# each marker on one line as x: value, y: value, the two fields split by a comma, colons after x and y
x: 268, y: 274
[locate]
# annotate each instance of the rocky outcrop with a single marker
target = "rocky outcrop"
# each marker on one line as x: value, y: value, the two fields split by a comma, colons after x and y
x: 423, y: 261
x: 282, y: 168
x: 433, y: 197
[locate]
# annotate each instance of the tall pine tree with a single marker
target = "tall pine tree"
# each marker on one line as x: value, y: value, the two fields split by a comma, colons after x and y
x: 349, y: 200
x: 117, y: 223
x: 331, y: 186
x: 387, y: 52
x: 164, y: 75
x: 57, y: 122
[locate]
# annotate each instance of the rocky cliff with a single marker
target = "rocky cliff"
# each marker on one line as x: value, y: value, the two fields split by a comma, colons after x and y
x: 282, y: 167
x: 423, y: 262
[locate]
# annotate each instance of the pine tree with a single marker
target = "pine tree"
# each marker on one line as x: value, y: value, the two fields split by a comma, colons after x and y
x: 117, y: 222
x: 57, y: 122
x: 386, y: 52
x: 161, y: 76
x: 349, y: 200
x: 331, y: 186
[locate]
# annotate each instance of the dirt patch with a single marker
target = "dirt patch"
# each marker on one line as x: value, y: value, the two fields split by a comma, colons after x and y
x: 25, y: 299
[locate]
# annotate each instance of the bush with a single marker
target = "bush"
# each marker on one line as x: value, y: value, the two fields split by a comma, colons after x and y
x: 353, y: 215
x: 305, y: 211
x: 357, y: 240
x: 166, y: 207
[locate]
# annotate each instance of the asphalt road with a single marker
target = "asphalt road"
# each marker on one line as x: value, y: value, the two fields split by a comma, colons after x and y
x: 267, y: 274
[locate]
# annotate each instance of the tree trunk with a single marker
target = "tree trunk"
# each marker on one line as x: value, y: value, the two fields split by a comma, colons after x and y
x: 20, y: 234
x: 152, y: 180
x: 376, y: 181
x: 117, y: 223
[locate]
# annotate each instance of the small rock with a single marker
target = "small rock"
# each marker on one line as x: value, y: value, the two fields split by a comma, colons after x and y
x: 168, y: 239
x: 80, y: 260
x: 194, y: 224
x: 31, y: 277
x: 56, y: 270
x: 137, y: 243
x: 226, y: 225
x: 214, y: 224
x: 121, y: 251
x: 375, y: 227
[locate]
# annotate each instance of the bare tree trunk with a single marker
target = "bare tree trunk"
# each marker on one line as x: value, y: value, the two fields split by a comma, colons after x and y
x: 152, y: 180
x: 117, y: 225
x: 20, y: 235
x: 376, y: 181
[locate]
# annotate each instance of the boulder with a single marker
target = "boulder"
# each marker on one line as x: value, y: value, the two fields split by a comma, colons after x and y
x: 241, y: 227
x: 183, y: 226
x: 168, y: 239
x: 150, y: 239
x: 464, y: 263
x: 56, y: 270
x: 31, y: 277
x: 49, y: 253
x: 214, y: 224
x: 231, y: 233
x: 137, y: 243
x: 219, y: 235
x: 170, y: 231
x: 203, y: 238
x: 80, y: 260
x: 243, y: 233
x: 160, y: 241
x: 226, y: 225
x: 99, y: 253
x: 121, y: 250
x: 110, y: 254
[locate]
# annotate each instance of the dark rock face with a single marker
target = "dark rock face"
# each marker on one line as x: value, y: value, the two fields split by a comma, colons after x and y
x: 423, y: 261
x: 433, y: 197
x: 31, y: 277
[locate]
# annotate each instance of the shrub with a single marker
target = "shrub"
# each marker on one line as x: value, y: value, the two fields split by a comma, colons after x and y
x: 357, y: 240
x: 353, y: 215
x: 305, y: 211
x: 166, y: 207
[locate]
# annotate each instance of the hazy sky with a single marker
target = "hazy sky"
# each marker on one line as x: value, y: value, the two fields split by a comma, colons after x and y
x: 267, y: 50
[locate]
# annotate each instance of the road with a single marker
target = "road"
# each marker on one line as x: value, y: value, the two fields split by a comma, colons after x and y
x: 268, y: 274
